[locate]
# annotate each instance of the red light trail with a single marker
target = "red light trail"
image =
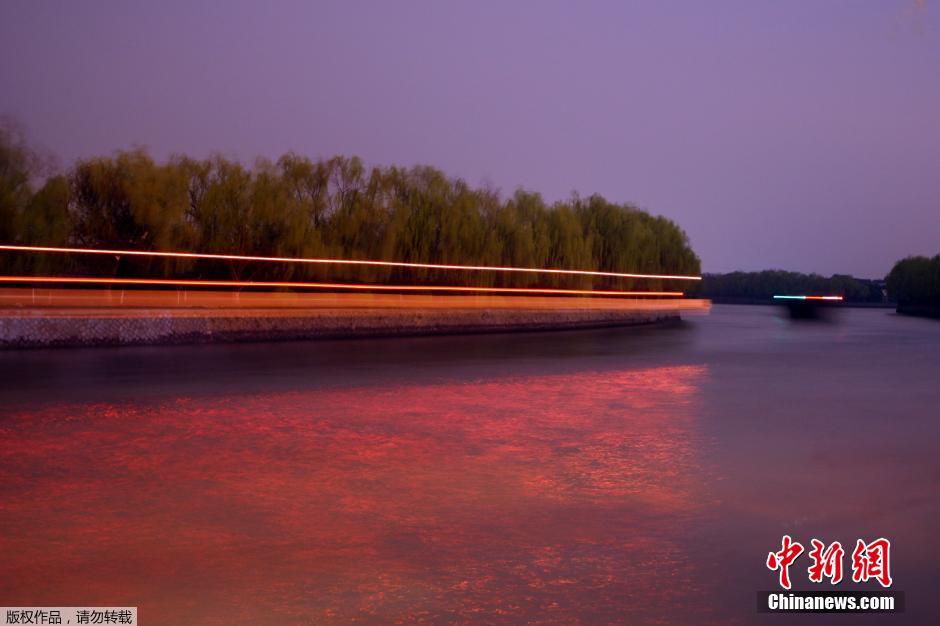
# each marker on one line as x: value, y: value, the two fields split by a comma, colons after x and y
x: 832, y: 298
x: 238, y: 257
x: 303, y: 285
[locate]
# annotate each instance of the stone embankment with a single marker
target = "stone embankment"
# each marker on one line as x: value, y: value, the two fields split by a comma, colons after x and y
x: 64, y: 318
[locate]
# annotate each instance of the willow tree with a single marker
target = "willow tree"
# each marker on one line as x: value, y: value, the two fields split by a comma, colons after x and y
x: 337, y: 207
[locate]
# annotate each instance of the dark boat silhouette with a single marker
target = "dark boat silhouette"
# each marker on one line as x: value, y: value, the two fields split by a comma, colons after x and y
x: 807, y: 307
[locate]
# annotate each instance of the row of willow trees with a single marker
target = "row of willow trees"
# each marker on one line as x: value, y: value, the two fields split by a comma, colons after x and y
x: 298, y: 207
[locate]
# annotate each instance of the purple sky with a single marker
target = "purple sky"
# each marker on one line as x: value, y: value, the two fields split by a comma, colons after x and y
x: 803, y: 135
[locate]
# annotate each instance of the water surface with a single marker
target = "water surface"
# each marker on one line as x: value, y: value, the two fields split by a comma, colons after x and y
x: 612, y: 476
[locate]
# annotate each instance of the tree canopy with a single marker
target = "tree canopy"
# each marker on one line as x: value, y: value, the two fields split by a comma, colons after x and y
x: 916, y: 280
x: 337, y: 207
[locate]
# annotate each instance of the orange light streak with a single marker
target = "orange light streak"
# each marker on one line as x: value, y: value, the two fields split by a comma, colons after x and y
x: 238, y: 257
x: 834, y: 298
x: 81, y: 280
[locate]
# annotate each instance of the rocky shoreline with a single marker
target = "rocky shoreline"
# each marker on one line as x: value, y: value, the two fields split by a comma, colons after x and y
x: 170, y: 329
x: 84, y: 318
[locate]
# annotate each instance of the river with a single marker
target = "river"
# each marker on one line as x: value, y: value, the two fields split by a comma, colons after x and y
x: 609, y: 476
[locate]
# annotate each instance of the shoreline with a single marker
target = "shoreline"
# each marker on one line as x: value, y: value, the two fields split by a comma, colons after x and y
x: 764, y: 302
x: 30, y: 319
x: 931, y: 311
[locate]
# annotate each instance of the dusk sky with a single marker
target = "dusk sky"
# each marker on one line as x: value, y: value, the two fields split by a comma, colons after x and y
x: 794, y: 135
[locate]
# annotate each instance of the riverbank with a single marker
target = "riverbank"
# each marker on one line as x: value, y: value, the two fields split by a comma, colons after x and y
x: 919, y: 310
x: 771, y: 302
x: 82, y: 318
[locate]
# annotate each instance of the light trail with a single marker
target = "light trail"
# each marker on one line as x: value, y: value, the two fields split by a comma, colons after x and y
x: 238, y: 257
x: 81, y: 280
x: 834, y: 298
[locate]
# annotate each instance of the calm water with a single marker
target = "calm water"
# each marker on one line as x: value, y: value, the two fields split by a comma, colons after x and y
x: 609, y: 476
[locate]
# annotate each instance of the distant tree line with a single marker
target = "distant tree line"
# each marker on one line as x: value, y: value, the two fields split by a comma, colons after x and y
x: 915, y: 283
x: 763, y: 286
x: 298, y: 207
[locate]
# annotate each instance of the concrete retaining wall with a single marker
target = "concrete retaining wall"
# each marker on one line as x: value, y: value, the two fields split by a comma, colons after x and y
x: 176, y: 327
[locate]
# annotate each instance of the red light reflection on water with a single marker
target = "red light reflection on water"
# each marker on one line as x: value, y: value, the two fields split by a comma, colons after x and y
x: 560, y: 498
